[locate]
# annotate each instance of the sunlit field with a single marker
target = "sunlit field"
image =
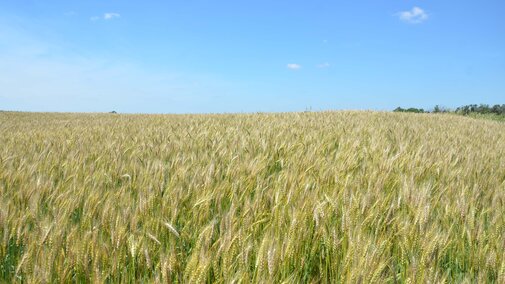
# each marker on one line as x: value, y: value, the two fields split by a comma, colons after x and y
x: 318, y: 197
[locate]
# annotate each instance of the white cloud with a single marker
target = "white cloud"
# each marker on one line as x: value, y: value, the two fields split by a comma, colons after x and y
x: 323, y: 65
x: 415, y: 16
x: 110, y: 16
x: 106, y: 16
x: 293, y: 66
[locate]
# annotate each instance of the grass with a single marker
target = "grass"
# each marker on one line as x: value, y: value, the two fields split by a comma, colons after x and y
x: 297, y: 197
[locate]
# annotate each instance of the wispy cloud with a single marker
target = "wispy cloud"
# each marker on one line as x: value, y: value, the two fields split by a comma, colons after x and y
x: 323, y: 65
x: 34, y: 75
x: 110, y: 16
x: 415, y: 16
x: 106, y: 16
x: 294, y: 66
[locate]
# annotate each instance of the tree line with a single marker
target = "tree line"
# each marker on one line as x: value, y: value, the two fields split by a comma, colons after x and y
x: 465, y: 110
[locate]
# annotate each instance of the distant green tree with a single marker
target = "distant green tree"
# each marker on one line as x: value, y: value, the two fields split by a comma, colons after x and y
x: 416, y: 110
x: 412, y: 109
x: 481, y: 109
x: 463, y: 110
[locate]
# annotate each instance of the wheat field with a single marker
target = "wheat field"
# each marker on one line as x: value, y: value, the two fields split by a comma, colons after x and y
x: 314, y: 197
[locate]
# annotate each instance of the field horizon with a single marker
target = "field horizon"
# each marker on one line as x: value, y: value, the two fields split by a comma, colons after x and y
x: 252, y: 141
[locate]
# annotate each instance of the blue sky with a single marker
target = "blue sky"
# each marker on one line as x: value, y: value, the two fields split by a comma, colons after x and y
x: 245, y: 56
